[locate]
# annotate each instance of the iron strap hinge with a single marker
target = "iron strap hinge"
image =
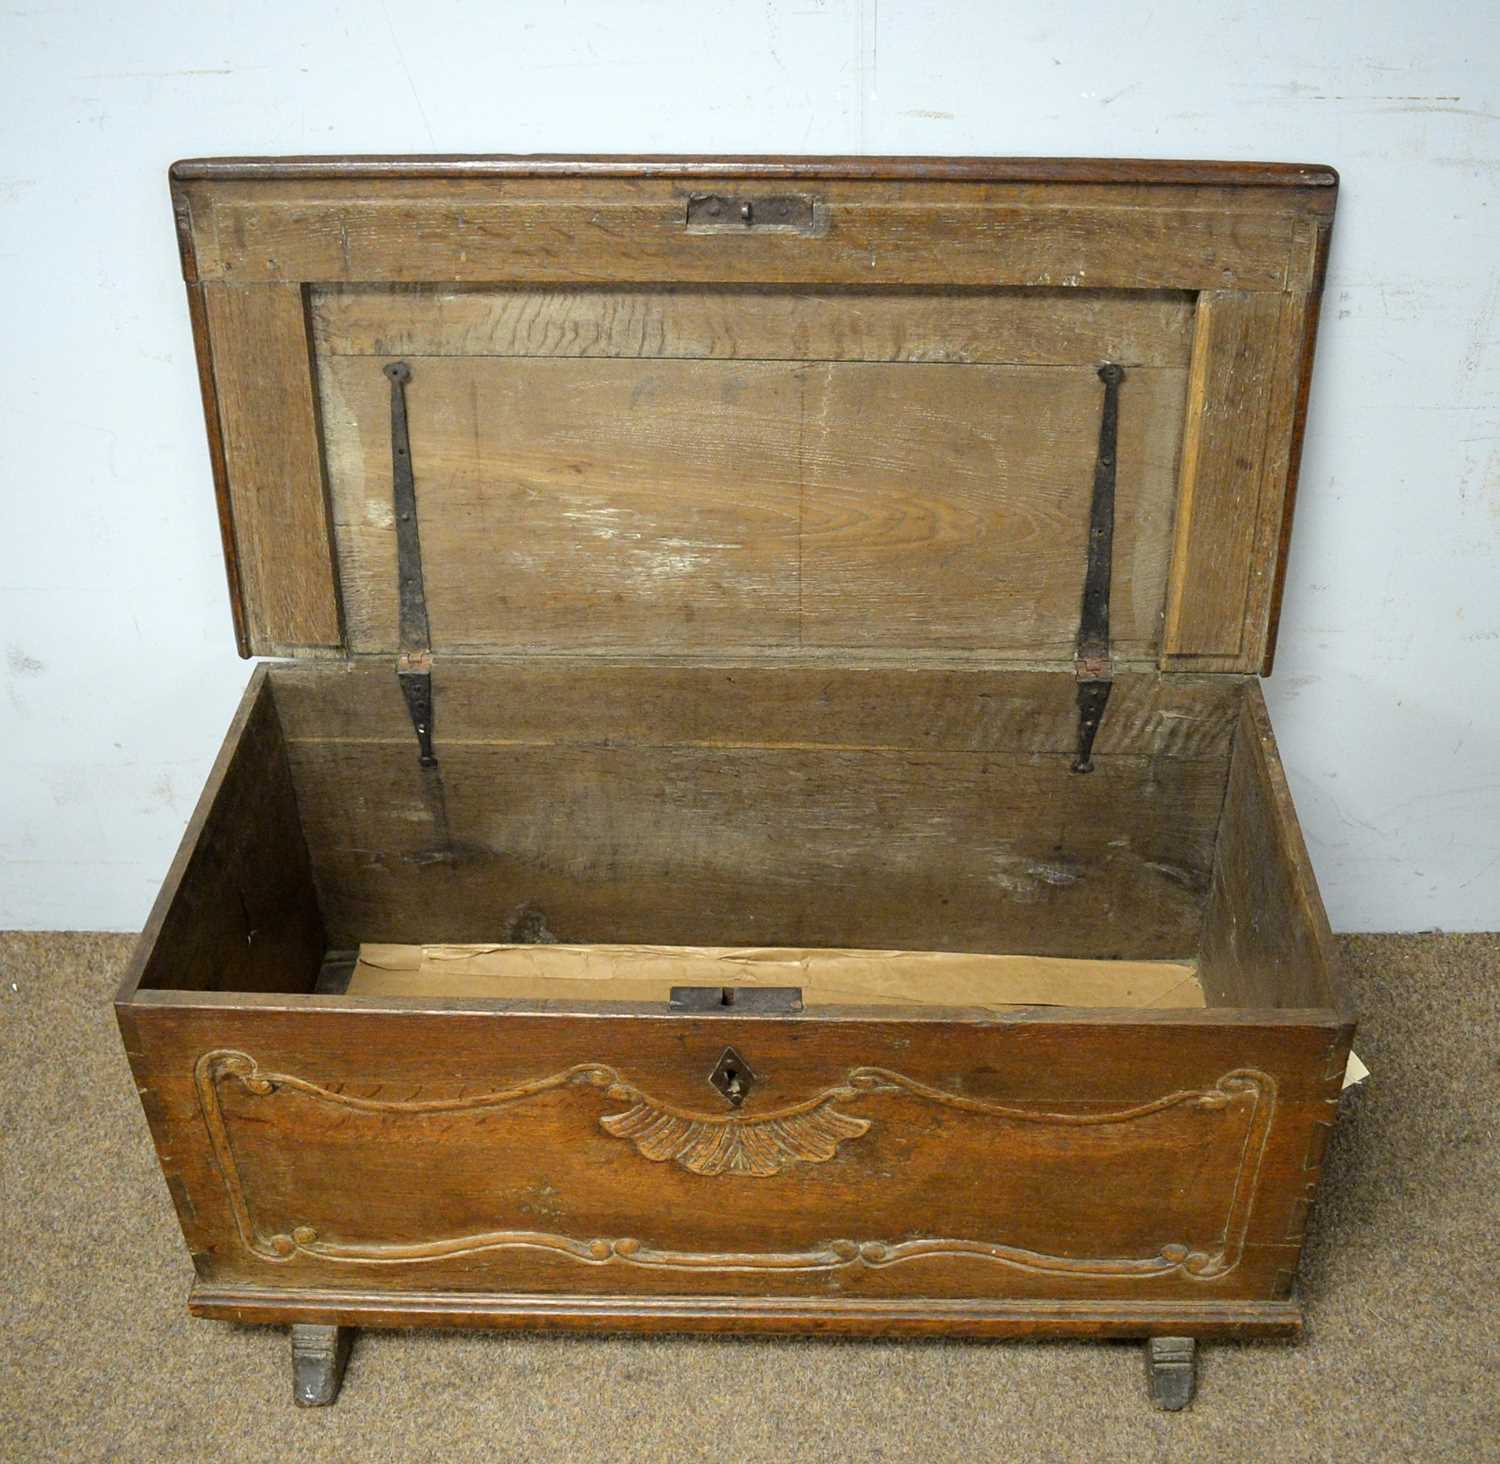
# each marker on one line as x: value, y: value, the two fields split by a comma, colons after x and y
x: 414, y: 661
x: 1091, y: 660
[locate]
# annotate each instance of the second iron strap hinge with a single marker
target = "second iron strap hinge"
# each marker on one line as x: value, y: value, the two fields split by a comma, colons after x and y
x: 1091, y: 660
x: 414, y: 660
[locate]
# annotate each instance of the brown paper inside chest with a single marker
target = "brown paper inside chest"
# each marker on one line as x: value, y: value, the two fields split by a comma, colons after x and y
x: 822, y: 977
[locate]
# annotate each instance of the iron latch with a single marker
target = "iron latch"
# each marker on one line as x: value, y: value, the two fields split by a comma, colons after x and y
x: 1091, y: 660
x: 785, y: 213
x: 728, y: 1000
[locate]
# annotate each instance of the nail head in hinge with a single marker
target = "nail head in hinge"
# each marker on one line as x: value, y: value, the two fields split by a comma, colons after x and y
x: 414, y: 664
x: 783, y: 213
x: 1091, y: 660
x: 416, y: 687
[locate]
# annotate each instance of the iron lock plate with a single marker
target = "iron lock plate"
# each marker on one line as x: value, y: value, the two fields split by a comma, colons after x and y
x: 782, y: 213
x: 733, y: 1077
x: 730, y: 1000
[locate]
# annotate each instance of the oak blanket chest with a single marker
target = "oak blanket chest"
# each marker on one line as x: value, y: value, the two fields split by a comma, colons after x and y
x: 757, y: 812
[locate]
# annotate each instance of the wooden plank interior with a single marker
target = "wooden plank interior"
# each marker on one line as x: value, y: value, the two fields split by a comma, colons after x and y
x: 1004, y: 266
x: 1266, y: 940
x: 238, y: 911
x: 272, y: 448
x: 1037, y: 327
x: 1288, y: 423
x: 560, y: 231
x: 1220, y: 590
x: 747, y: 846
x: 682, y: 496
x: 970, y: 835
x: 565, y: 700
x: 208, y: 389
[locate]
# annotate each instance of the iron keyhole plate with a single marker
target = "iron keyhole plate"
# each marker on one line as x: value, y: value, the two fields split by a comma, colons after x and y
x: 732, y: 1076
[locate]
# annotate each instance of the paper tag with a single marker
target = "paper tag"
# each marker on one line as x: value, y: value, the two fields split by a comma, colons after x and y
x: 1354, y: 1070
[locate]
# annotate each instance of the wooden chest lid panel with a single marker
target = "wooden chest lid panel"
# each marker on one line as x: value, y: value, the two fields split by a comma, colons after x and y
x: 872, y: 437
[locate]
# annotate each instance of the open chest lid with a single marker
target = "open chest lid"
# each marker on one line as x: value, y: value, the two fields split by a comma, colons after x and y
x: 840, y: 409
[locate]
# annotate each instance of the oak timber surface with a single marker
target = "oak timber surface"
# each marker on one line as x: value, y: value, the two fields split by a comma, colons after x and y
x: 561, y: 231
x: 963, y: 326
x: 754, y: 846
x: 760, y: 805
x: 611, y: 699
x: 237, y: 910
x: 680, y: 470
x: 1119, y: 172
x: 1265, y: 933
x: 1233, y: 383
x: 652, y: 472
x: 995, y: 265
x: 1165, y: 1160
x: 267, y: 427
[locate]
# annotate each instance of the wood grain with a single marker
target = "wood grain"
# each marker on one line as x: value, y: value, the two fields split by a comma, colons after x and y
x: 556, y: 231
x: 1113, y: 171
x: 971, y: 327
x: 981, y: 262
x: 268, y: 413
x: 756, y: 846
x: 1219, y: 591
x: 571, y: 700
x: 237, y: 911
x: 819, y: 1316
x: 1266, y: 940
x: 1304, y: 312
x: 726, y: 537
x: 945, y: 507
x: 672, y: 505
x: 267, y: 1152
x: 759, y: 805
x: 208, y: 389
x: 574, y: 503
x: 424, y: 1179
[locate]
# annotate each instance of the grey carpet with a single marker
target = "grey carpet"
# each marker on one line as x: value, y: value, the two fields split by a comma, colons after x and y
x: 1401, y: 1359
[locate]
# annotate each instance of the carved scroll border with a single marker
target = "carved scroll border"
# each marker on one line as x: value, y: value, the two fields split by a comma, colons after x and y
x: 1175, y: 1258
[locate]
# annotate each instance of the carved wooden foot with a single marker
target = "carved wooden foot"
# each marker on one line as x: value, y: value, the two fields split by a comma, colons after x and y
x: 318, y: 1358
x: 1172, y: 1371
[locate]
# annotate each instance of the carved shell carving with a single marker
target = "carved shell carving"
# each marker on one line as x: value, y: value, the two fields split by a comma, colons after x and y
x: 751, y: 1146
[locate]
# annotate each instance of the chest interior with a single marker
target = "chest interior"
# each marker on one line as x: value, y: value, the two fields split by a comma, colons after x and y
x: 746, y: 575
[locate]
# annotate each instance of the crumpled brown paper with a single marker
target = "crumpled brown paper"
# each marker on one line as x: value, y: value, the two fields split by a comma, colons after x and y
x: 828, y: 977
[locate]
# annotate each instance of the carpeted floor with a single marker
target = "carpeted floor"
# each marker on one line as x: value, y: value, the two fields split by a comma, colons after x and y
x: 1401, y: 1361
